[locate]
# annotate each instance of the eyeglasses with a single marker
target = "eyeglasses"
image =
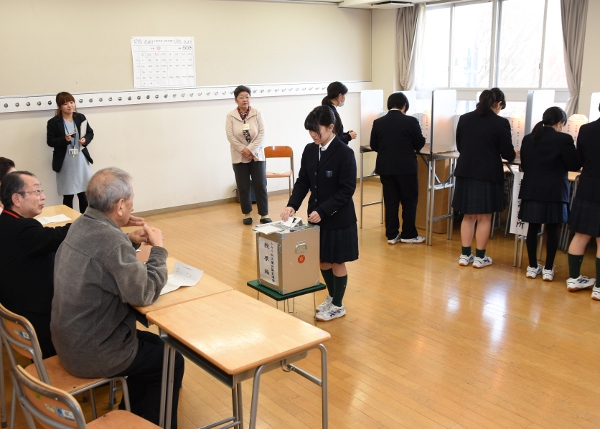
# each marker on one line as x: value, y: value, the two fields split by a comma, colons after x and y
x: 37, y: 192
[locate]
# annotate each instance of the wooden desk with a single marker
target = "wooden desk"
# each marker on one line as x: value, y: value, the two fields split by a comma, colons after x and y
x: 205, y: 287
x: 56, y: 210
x: 234, y: 338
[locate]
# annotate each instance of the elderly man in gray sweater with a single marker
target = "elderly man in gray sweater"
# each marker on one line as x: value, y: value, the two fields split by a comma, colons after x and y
x: 97, y: 279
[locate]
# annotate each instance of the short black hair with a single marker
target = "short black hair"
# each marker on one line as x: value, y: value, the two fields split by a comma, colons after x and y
x: 321, y: 115
x: 241, y: 89
x: 5, y: 165
x: 397, y: 100
x: 12, y: 184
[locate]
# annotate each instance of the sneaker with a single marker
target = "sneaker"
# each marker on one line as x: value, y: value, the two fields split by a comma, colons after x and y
x: 415, y: 240
x: 331, y: 312
x: 532, y: 272
x: 581, y: 282
x: 548, y: 275
x: 324, y: 304
x: 596, y: 293
x: 482, y: 262
x: 465, y: 260
x: 394, y: 240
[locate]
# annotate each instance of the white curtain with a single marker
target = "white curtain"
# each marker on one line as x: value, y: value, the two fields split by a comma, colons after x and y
x: 410, y: 26
x: 574, y: 18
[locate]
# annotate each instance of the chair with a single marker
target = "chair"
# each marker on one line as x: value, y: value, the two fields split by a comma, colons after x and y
x: 281, y: 152
x: 18, y: 335
x: 57, y: 409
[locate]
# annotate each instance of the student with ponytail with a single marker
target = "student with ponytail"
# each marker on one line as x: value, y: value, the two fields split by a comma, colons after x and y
x: 585, y: 214
x: 328, y: 171
x: 336, y: 97
x: 483, y: 138
x: 547, y: 155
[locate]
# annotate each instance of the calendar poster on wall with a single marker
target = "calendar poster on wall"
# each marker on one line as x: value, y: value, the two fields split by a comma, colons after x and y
x: 163, y: 62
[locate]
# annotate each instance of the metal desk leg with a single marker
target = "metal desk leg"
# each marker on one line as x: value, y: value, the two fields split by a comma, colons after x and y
x: 170, y: 378
x: 516, y: 250
x: 431, y: 201
x: 163, y: 391
x: 255, y: 390
x: 324, y: 386
x: 362, y: 156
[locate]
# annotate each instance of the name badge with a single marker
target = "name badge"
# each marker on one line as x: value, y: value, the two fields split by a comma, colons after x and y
x: 246, y: 127
x: 73, y: 152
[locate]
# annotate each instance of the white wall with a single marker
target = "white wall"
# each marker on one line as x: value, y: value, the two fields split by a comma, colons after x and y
x: 590, y: 81
x: 177, y: 153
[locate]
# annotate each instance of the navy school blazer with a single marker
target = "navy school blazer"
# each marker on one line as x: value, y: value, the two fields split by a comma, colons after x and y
x: 483, y: 140
x: 588, y: 151
x: 331, y: 182
x: 545, y: 164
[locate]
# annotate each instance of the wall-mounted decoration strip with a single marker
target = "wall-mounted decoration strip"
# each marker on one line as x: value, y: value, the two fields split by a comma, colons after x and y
x: 29, y: 103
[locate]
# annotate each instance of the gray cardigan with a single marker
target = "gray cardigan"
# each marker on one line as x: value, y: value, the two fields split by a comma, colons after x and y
x: 96, y: 280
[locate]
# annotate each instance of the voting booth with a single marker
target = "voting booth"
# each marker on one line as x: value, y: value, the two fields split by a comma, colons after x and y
x: 287, y: 256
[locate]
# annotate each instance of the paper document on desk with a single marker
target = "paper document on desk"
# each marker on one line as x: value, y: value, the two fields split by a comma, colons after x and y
x: 183, y: 275
x: 53, y: 219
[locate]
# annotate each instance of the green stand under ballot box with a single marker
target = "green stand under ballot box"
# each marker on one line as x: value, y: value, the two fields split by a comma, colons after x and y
x: 287, y: 256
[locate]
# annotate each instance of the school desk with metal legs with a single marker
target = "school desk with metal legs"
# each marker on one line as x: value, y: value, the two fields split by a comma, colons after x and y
x: 234, y: 338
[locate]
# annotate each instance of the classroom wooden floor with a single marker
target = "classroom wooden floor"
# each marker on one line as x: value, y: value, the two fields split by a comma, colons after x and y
x: 425, y: 343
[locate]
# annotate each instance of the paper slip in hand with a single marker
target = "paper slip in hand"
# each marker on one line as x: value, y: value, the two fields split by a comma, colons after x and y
x: 183, y: 275
x: 83, y: 128
x: 53, y: 219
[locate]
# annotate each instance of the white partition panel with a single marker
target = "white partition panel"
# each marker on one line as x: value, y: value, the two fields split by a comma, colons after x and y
x: 412, y: 101
x: 537, y: 102
x: 371, y: 108
x: 595, y: 106
x: 443, y: 112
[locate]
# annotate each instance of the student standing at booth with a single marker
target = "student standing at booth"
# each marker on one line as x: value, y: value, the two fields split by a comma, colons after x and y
x: 336, y: 97
x: 328, y: 171
x: 585, y: 214
x: 71, y: 159
x: 547, y: 155
x: 396, y: 138
x: 483, y: 138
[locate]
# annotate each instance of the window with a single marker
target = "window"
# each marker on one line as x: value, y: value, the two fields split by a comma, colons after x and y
x: 521, y: 33
x: 513, y: 44
x: 436, y: 49
x: 471, y: 36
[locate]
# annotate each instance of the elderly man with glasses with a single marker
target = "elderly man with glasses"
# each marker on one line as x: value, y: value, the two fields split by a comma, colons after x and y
x: 27, y: 254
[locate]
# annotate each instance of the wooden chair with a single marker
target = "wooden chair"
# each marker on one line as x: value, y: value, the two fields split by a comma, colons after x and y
x: 57, y: 409
x: 281, y: 152
x: 18, y: 335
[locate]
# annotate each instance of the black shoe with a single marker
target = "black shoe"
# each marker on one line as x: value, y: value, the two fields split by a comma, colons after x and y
x: 247, y: 221
x: 266, y: 220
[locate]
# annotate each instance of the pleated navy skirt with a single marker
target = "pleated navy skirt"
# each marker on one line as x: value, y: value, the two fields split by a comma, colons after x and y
x: 543, y: 211
x: 585, y: 217
x: 339, y: 245
x: 473, y: 196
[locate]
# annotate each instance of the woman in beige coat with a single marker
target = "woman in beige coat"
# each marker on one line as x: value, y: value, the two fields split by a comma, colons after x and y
x: 245, y: 132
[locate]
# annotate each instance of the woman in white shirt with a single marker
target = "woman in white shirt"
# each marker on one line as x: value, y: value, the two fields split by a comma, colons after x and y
x: 245, y: 132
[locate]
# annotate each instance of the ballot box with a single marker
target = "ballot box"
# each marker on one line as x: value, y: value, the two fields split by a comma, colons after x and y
x: 287, y: 256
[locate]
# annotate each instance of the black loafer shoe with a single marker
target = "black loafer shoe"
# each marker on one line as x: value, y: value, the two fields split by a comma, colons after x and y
x: 266, y: 220
x: 247, y: 221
